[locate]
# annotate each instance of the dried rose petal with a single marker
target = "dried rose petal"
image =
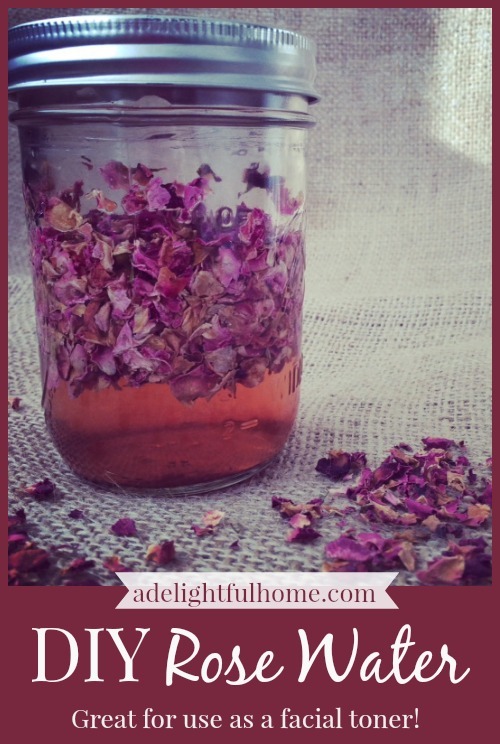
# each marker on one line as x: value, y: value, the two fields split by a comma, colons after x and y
x: 300, y: 520
x: 62, y: 217
x: 15, y: 537
x: 14, y: 403
x: 406, y: 555
x: 339, y: 464
x: 76, y: 514
x: 107, y: 205
x: 16, y: 520
x: 391, y: 497
x: 157, y: 195
x: 77, y: 565
x: 477, y: 514
x: 42, y: 490
x: 487, y: 494
x: 420, y: 508
x: 371, y: 539
x: 113, y: 563
x: 346, y: 548
x: 478, y: 565
x: 478, y: 543
x: 212, y: 518
x: 124, y: 527
x: 210, y: 521
x: 471, y: 477
x: 456, y: 481
x: 116, y: 175
x: 438, y: 443
x: 432, y: 522
x: 205, y: 170
x: 387, y: 514
x: 278, y: 501
x: 312, y: 509
x: 478, y: 569
x: 200, y: 531
x: 162, y: 553
x: 447, y: 570
x: 142, y: 174
x: 30, y: 559
x: 404, y: 446
x: 302, y: 534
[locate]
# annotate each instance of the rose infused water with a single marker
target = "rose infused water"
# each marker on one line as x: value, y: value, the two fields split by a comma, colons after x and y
x: 167, y: 247
x: 148, y: 436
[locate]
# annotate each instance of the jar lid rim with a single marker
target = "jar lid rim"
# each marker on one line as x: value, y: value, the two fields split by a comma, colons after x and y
x: 179, y: 26
x: 73, y: 49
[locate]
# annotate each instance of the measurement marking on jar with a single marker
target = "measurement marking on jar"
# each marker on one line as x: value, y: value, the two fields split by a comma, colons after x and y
x: 228, y: 428
x: 294, y: 377
x: 249, y: 424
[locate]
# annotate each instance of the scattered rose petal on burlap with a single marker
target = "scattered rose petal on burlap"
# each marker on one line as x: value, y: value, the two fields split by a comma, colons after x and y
x: 211, y: 521
x: 43, y: 490
x: 302, y: 534
x: 124, y: 527
x: 162, y: 553
x: 76, y: 514
x: 113, y: 563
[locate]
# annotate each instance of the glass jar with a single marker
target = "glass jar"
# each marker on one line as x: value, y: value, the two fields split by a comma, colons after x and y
x: 164, y: 187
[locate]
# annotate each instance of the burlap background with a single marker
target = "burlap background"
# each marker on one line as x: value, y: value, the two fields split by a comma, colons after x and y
x: 397, y: 341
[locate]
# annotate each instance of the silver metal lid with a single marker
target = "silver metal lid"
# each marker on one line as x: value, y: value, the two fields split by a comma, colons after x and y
x: 133, y: 50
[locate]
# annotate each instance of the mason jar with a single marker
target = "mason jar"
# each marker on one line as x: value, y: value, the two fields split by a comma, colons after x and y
x: 164, y: 185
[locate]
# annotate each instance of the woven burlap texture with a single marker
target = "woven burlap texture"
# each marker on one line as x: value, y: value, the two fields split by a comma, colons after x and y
x: 397, y: 320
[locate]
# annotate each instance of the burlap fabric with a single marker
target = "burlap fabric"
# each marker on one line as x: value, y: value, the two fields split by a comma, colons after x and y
x: 397, y: 321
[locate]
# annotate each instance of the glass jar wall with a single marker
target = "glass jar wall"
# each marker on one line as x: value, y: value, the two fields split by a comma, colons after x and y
x: 168, y: 270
